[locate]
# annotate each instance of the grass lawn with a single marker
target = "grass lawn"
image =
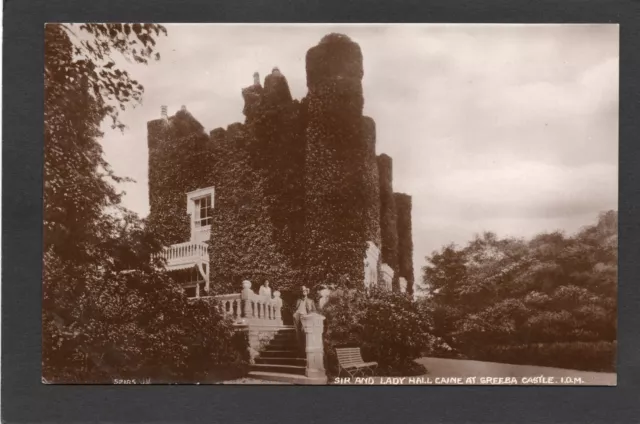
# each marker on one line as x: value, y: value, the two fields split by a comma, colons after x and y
x: 439, y: 367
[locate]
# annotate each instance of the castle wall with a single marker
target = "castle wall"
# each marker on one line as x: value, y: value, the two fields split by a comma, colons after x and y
x: 242, y: 242
x: 278, y: 127
x: 405, y: 240
x: 258, y: 214
x: 178, y: 151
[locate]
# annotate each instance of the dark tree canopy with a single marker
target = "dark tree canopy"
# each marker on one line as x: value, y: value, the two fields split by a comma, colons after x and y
x: 495, y: 297
x: 108, y: 311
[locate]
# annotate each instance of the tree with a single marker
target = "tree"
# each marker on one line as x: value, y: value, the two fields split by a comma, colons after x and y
x: 499, y: 295
x: 82, y: 88
x: 108, y: 309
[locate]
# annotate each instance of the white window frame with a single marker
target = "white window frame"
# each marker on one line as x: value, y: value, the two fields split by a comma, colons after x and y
x: 192, y: 197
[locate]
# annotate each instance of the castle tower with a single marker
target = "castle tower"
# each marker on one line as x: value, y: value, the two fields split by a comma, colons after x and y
x: 405, y: 241
x: 388, y: 217
x: 276, y: 89
x: 251, y: 96
x: 340, y: 210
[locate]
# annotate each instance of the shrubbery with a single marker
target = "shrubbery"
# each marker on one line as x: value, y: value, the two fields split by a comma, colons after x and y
x: 98, y: 326
x: 388, y: 327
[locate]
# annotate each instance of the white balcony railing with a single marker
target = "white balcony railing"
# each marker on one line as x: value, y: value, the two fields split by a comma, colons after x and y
x: 184, y: 254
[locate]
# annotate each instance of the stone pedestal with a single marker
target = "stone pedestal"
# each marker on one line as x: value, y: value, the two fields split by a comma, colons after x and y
x: 403, y: 285
x: 313, y: 325
x: 371, y: 265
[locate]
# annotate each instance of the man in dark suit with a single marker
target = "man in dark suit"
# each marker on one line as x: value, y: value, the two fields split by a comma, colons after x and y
x: 305, y: 305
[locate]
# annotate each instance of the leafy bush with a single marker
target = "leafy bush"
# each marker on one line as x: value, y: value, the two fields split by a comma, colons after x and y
x: 131, y: 325
x: 388, y: 327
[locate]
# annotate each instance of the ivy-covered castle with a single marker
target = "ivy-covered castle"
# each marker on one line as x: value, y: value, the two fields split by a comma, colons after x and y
x: 295, y: 195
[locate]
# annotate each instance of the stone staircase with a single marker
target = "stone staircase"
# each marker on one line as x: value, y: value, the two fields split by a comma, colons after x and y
x: 282, y: 359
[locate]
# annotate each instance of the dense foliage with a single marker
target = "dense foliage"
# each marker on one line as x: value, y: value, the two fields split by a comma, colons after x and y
x: 550, y: 300
x: 109, y: 311
x: 389, y: 327
x: 405, y: 240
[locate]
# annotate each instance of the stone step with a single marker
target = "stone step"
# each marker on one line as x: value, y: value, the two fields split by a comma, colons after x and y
x: 274, y: 360
x: 285, y: 335
x: 286, y: 378
x: 282, y: 345
x: 283, y: 340
x: 285, y: 328
x: 283, y: 369
x: 282, y: 353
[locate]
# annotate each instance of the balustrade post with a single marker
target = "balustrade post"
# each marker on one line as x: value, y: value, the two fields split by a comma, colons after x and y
x: 246, y: 299
x: 313, y: 325
x: 238, y: 304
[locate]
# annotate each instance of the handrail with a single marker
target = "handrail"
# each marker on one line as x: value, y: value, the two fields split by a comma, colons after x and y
x: 187, y: 252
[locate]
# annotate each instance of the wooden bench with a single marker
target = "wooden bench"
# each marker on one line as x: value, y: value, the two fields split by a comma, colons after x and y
x: 350, y: 360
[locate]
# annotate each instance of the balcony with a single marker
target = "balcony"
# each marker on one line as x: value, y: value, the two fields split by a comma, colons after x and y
x: 185, y: 255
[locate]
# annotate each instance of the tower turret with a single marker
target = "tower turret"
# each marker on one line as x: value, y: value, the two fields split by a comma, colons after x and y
x: 337, y: 161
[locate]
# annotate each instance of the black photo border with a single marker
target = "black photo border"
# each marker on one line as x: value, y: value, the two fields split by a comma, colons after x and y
x: 26, y: 399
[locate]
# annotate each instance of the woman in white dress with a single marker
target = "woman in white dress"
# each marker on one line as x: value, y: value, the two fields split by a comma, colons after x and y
x: 265, y: 290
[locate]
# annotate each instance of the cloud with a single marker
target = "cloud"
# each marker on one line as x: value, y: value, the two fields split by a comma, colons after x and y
x: 524, y: 190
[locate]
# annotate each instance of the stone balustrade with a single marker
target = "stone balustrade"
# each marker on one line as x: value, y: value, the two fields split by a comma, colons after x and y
x: 260, y: 317
x: 231, y: 304
x: 250, y: 308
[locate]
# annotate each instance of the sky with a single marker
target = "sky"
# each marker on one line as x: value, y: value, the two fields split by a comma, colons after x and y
x: 504, y: 128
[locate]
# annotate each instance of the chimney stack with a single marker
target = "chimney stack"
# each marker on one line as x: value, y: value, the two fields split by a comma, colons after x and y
x: 256, y: 78
x: 163, y: 112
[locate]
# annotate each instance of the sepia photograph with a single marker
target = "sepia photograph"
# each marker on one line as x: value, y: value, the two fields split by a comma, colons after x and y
x: 332, y: 204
